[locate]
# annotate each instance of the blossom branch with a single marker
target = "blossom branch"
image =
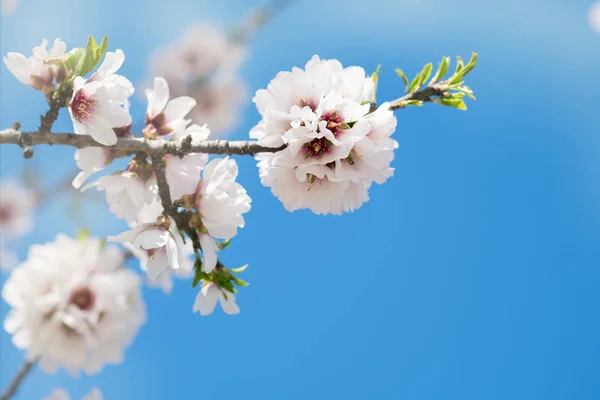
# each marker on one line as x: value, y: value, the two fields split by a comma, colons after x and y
x: 17, y: 380
x: 128, y: 146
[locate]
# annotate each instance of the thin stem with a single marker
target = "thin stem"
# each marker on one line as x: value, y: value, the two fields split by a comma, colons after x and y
x: 425, y: 95
x: 17, y: 380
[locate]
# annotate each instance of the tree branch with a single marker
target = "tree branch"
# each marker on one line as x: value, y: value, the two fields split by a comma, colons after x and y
x: 425, y: 95
x: 128, y: 146
x: 17, y: 380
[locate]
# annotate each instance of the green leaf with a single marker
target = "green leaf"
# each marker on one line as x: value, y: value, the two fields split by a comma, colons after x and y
x: 101, y: 51
x: 414, y: 85
x: 456, y: 78
x: 442, y: 69
x: 456, y: 102
x: 198, y: 274
x: 72, y: 60
x: 240, y: 269
x: 403, y: 76
x: 240, y: 282
x: 459, y: 64
x: 425, y: 73
x: 227, y: 285
x: 223, y: 245
x: 92, y: 54
x: 471, y: 64
x: 375, y: 78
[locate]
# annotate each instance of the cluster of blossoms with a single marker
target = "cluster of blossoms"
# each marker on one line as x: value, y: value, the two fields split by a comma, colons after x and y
x: 73, y: 305
x: 203, y: 64
x: 324, y: 142
x: 16, y: 218
x: 336, y: 147
x: 61, y: 394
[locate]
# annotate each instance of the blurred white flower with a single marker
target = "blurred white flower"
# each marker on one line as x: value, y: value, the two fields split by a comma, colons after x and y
x: 73, y: 306
x: 16, y: 217
x: 61, y: 394
x: 335, y: 148
x: 8, y: 6
x: 204, y: 65
x: 221, y: 201
x: 594, y: 16
x: 219, y: 102
x: 32, y: 71
x: 209, y: 295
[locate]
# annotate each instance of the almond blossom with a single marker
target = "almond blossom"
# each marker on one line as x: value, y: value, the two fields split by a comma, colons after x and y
x: 100, y: 104
x: 209, y: 295
x: 90, y: 160
x: 220, y: 201
x: 165, y: 116
x: 16, y: 217
x: 126, y: 193
x: 73, y: 306
x: 336, y: 147
x: 33, y: 71
x: 162, y: 242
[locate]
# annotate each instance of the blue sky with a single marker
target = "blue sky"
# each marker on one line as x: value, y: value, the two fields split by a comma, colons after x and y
x: 472, y: 274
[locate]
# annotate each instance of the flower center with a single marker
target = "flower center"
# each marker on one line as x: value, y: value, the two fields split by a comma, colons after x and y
x: 6, y: 213
x: 316, y: 148
x: 334, y: 122
x: 82, y: 106
x: 308, y: 103
x: 83, y: 298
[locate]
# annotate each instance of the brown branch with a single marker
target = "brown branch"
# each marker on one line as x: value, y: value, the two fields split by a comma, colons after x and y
x: 128, y: 146
x: 17, y: 380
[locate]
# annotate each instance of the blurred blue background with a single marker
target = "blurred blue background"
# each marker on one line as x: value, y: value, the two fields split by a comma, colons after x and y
x: 472, y: 274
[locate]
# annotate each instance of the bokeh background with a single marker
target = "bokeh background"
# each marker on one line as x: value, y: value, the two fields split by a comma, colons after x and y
x: 472, y: 274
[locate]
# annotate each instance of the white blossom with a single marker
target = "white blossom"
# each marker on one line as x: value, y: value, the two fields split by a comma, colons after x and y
x: 73, y: 306
x: 61, y: 394
x: 33, y: 71
x: 162, y: 243
x: 107, y: 75
x: 126, y: 193
x: 101, y: 103
x: 16, y: 217
x: 164, y: 280
x: 90, y: 160
x: 335, y: 148
x: 165, y: 116
x: 221, y: 201
x: 209, y: 295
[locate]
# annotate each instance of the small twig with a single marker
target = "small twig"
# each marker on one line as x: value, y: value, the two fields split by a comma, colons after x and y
x: 17, y: 380
x: 425, y: 95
